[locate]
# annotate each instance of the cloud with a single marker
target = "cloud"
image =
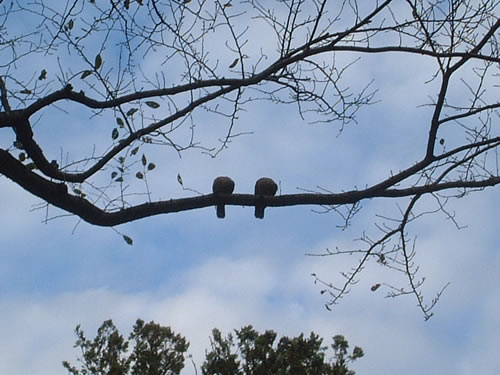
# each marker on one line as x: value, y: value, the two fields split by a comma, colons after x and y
x: 276, y: 292
x: 194, y: 272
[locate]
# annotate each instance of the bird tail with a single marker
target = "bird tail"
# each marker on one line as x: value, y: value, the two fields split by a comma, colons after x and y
x: 259, y: 212
x: 221, y: 211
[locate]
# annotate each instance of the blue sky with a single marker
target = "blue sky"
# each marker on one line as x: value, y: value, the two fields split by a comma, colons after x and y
x: 195, y: 272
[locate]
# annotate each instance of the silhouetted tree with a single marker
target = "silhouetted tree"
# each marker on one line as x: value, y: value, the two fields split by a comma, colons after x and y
x: 153, y: 349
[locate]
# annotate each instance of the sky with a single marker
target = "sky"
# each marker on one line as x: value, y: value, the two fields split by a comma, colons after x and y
x: 194, y: 272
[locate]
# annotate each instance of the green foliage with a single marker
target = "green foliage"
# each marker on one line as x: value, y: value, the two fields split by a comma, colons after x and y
x: 340, y: 346
x: 259, y: 354
x: 156, y: 350
x: 106, y: 354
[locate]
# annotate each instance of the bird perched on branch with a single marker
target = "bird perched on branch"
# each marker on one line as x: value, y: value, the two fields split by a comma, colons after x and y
x: 222, y: 185
x: 264, y: 187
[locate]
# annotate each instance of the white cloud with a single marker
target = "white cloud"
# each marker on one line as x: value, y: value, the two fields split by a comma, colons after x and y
x: 194, y: 272
x: 228, y: 292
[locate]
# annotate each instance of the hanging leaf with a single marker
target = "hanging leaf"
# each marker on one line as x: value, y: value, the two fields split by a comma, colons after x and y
x: 119, y: 179
x: 86, y: 73
x: 18, y: 145
x: 179, y: 179
x: 127, y: 4
x: 71, y: 23
x: 31, y: 166
x: 114, y: 174
x: 128, y: 240
x: 26, y: 91
x: 143, y: 159
x: 131, y: 111
x: 121, y: 159
x: 151, y: 166
x: 375, y: 287
x: 186, y: 1
x: 139, y: 175
x: 228, y: 4
x: 97, y: 61
x: 152, y: 104
x: 43, y: 75
x: 134, y: 151
x: 114, y: 133
x: 120, y: 122
x: 233, y: 64
x: 22, y: 157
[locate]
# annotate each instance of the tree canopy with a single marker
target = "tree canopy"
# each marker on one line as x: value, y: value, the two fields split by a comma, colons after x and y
x: 151, y: 73
x: 156, y: 349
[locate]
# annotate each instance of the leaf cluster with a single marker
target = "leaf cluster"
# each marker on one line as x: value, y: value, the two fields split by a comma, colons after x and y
x: 155, y: 349
x: 249, y: 352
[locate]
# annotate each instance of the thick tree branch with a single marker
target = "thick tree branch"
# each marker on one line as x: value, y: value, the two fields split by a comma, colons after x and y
x: 57, y: 195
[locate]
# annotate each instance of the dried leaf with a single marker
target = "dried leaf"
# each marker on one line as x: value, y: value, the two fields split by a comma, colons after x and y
x: 375, y: 287
x: 26, y: 91
x: 139, y: 175
x: 120, y: 122
x: 114, y: 133
x: 233, y: 64
x: 179, y: 179
x: 71, y: 23
x: 43, y: 75
x: 134, y: 151
x: 131, y: 111
x: 151, y: 166
x: 144, y: 160
x: 152, y: 104
x: 31, y: 166
x: 128, y: 240
x: 97, y: 62
x: 86, y: 73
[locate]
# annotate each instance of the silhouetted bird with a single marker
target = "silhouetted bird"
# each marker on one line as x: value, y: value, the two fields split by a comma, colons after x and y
x: 222, y: 185
x: 264, y: 187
